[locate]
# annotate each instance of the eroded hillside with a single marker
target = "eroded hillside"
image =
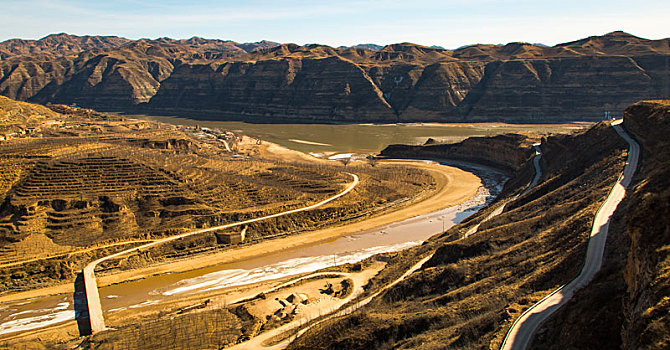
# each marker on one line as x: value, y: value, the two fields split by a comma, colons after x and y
x: 471, y: 290
x: 627, y: 305
x: 78, y: 184
x: 277, y: 83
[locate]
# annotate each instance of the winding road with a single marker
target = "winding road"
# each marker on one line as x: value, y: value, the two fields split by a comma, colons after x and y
x: 524, y: 328
x: 258, y: 342
x: 97, y: 320
x: 501, y: 207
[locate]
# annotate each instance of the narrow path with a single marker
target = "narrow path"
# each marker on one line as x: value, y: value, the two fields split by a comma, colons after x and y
x: 523, y: 329
x: 93, y: 297
x: 501, y: 207
x: 258, y: 342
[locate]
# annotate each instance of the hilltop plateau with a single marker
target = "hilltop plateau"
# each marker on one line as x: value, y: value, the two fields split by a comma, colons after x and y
x: 271, y: 83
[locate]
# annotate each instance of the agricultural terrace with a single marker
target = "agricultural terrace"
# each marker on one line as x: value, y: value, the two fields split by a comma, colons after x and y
x: 77, y: 184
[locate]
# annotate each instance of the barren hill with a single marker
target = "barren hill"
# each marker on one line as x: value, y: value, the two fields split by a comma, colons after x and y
x: 472, y: 289
x: 265, y: 82
x: 58, y: 45
x: 76, y: 184
x: 70, y: 45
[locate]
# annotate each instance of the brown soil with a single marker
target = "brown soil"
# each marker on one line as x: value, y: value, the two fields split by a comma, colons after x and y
x: 454, y: 186
x: 471, y: 290
x: 80, y: 185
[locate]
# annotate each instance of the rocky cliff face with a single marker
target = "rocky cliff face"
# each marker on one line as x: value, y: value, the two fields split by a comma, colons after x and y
x: 567, y: 88
x: 266, y: 82
x: 310, y: 89
x: 508, y: 152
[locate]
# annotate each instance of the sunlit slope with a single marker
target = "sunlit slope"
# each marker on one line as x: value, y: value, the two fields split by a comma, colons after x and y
x: 79, y: 184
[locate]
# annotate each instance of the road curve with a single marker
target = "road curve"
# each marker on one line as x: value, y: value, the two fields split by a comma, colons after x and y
x: 258, y: 342
x: 97, y: 320
x: 523, y: 329
x: 501, y: 207
x: 538, y: 169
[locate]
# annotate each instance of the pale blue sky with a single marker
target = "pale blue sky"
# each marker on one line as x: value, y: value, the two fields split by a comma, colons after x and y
x: 448, y: 23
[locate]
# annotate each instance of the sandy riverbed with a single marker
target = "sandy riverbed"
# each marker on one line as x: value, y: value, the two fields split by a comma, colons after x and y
x: 453, y: 186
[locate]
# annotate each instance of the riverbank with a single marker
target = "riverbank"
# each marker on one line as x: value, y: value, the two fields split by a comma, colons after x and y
x: 454, y: 186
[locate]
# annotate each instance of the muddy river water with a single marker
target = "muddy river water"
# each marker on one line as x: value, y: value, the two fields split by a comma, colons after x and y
x: 24, y: 315
x: 360, y: 137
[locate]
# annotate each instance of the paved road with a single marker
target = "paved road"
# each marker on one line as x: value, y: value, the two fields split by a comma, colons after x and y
x: 538, y: 169
x: 501, y: 207
x: 93, y: 297
x: 522, y: 331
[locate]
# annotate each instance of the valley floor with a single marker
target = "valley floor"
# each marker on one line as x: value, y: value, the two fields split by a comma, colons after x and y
x: 454, y: 186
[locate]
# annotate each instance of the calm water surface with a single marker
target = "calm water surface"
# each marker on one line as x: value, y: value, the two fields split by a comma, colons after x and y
x: 356, y: 137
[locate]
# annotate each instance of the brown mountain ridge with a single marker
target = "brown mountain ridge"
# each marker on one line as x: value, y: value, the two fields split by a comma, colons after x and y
x: 405, y: 82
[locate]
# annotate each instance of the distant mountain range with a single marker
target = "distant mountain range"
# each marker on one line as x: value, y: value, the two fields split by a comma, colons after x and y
x: 66, y: 44
x: 271, y: 82
x: 370, y: 47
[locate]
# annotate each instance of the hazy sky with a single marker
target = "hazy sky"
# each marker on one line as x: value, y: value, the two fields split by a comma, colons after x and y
x: 448, y: 23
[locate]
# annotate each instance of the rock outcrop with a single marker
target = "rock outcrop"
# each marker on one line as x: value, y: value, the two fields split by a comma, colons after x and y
x: 647, y: 301
x: 508, y: 152
x: 267, y: 82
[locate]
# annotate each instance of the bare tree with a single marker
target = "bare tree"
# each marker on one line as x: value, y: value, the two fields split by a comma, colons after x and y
x: 372, y: 160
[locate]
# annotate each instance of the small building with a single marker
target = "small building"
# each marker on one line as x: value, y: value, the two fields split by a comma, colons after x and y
x: 231, y: 237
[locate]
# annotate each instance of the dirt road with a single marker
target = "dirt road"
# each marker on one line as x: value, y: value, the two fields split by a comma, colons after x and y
x: 92, y: 295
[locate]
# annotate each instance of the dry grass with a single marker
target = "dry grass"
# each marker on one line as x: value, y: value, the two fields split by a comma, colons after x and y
x: 81, y: 180
x: 468, y: 294
x: 198, y: 330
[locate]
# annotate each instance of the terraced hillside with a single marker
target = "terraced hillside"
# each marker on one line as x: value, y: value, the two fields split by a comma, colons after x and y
x: 77, y: 184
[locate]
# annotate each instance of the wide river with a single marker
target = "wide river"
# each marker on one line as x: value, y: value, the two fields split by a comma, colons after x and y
x: 23, y: 315
x: 360, y: 137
